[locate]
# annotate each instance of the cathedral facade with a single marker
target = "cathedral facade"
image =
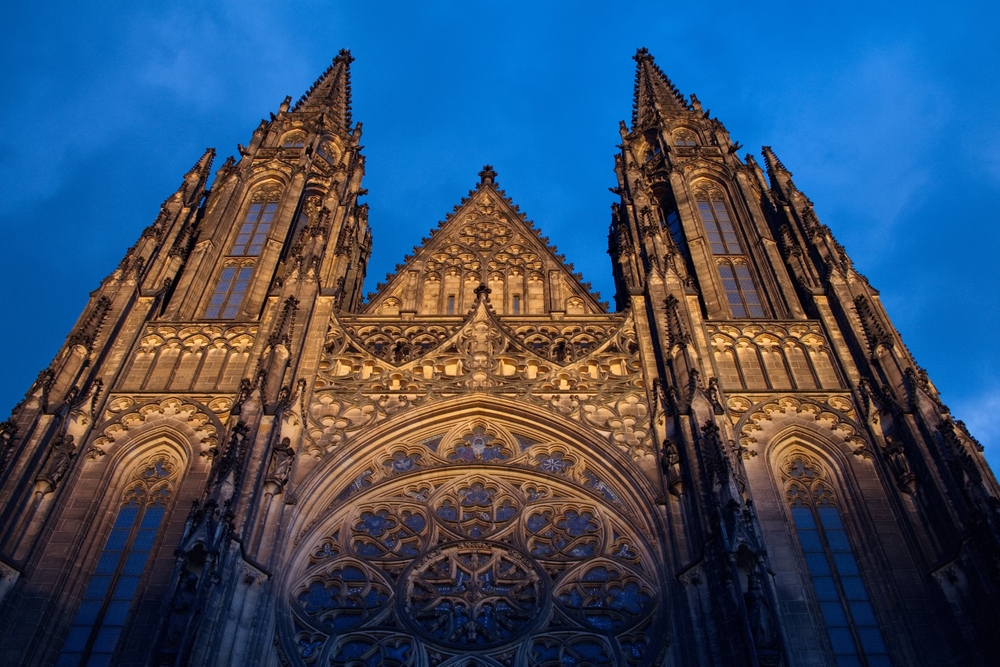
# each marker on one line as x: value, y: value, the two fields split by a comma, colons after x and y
x: 238, y: 459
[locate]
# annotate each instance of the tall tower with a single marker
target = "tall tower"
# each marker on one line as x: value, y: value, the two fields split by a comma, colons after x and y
x: 235, y: 459
x: 175, y: 387
x: 809, y: 456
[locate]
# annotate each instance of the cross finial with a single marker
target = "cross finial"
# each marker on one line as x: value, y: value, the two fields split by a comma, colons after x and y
x: 487, y: 176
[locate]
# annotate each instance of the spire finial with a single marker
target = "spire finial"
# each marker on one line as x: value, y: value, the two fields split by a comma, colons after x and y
x: 331, y: 92
x: 655, y: 94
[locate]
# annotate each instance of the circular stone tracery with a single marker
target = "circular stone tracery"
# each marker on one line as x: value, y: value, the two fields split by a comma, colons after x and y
x: 473, y: 595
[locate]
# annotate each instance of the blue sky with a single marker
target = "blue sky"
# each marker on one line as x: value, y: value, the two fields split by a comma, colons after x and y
x: 888, y: 114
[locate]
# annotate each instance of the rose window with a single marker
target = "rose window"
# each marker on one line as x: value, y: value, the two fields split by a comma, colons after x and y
x: 514, y: 568
x: 473, y: 595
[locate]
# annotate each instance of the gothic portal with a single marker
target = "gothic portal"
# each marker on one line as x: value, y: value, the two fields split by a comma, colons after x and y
x: 236, y: 459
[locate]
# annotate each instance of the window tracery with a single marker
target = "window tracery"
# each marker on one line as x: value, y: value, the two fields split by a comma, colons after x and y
x: 101, y: 616
x: 501, y: 569
x: 836, y: 580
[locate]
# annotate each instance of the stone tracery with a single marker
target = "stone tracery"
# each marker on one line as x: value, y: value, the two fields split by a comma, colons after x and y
x: 509, y: 568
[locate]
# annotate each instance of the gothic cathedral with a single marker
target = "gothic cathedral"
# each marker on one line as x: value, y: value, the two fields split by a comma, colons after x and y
x: 237, y: 459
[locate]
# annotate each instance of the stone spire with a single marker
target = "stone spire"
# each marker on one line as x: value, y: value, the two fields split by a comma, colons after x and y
x: 655, y: 94
x: 332, y: 91
x: 781, y: 178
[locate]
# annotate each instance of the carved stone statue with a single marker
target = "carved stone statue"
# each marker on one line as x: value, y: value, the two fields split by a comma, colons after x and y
x: 58, y: 463
x: 281, y: 461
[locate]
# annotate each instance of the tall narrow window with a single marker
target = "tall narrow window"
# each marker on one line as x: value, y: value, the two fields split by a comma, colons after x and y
x: 516, y: 304
x: 740, y: 291
x: 451, y: 304
x: 843, y: 599
x: 229, y: 292
x: 101, y: 617
x: 718, y: 225
x: 253, y: 231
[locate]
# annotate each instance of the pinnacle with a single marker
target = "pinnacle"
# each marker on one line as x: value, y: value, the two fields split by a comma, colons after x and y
x: 776, y: 170
x: 204, y: 163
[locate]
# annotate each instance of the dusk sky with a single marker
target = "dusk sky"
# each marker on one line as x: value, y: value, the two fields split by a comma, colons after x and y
x: 888, y: 114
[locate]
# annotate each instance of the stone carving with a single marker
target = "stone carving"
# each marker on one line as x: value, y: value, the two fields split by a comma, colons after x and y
x: 422, y: 566
x: 589, y: 374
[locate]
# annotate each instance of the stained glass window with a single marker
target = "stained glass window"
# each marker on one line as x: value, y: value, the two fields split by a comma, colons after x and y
x: 719, y: 227
x: 740, y: 291
x: 253, y: 231
x: 229, y: 292
x: 842, y: 596
x: 101, y: 616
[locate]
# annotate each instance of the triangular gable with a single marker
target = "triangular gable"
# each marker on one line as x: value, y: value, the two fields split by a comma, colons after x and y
x: 486, y: 241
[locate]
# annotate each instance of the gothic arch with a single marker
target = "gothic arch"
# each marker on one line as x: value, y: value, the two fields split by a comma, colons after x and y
x: 486, y: 487
x: 191, y: 425
x: 763, y: 424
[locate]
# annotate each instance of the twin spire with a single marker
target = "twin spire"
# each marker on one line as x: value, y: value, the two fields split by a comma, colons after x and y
x: 332, y: 91
x: 655, y: 94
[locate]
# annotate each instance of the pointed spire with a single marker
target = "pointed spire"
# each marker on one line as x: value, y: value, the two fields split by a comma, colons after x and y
x: 332, y: 91
x: 203, y: 165
x: 781, y: 178
x: 654, y: 92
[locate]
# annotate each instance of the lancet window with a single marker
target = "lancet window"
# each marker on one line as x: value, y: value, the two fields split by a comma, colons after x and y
x: 229, y: 292
x: 234, y: 281
x: 734, y: 270
x: 740, y: 291
x: 106, y: 603
x: 836, y: 581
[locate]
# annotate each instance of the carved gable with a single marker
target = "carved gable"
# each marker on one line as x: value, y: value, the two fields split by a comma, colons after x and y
x: 486, y: 241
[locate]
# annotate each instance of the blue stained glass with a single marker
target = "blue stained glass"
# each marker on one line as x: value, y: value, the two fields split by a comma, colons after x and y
x: 117, y: 611
x: 99, y: 660
x: 98, y: 588
x: 117, y: 539
x: 810, y: 541
x: 830, y: 516
x: 135, y: 563
x: 818, y: 565
x: 126, y: 517
x: 87, y: 613
x: 108, y: 562
x: 842, y: 640
x: 125, y: 589
x: 853, y: 588
x: 152, y: 517
x: 803, y: 517
x: 862, y: 613
x: 415, y: 522
x: 871, y: 640
x: 107, y: 637
x: 77, y: 639
x: 878, y: 661
x: 536, y: 522
x: 69, y: 660
x: 838, y: 540
x: 845, y: 563
x: 825, y: 589
x: 144, y: 540
x: 833, y: 614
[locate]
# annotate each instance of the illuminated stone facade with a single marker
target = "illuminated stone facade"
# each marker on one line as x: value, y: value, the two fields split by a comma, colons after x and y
x: 236, y: 459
